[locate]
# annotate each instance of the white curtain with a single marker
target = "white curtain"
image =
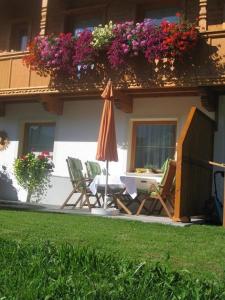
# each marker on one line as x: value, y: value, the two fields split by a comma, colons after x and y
x: 154, y: 144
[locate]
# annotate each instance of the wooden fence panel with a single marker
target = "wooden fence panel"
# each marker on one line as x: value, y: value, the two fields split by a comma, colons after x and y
x: 194, y: 174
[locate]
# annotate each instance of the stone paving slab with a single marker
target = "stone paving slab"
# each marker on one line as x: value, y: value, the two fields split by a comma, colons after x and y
x: 84, y: 211
x: 140, y: 218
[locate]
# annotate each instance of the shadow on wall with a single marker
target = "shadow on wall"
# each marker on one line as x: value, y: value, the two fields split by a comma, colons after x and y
x: 7, y: 190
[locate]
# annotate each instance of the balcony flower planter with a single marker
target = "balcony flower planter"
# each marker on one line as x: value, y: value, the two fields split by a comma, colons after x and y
x: 114, y: 46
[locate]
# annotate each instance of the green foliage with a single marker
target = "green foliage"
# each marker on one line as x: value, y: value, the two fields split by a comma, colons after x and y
x: 33, y: 173
x: 47, y: 271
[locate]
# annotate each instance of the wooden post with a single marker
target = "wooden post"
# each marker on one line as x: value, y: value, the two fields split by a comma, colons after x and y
x: 223, y: 167
x: 202, y: 15
x: 43, y: 23
x: 224, y: 203
x: 224, y: 15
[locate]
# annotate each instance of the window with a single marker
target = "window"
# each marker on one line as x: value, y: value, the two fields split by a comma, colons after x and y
x: 39, y: 137
x: 157, y: 15
x: 152, y: 143
x: 19, y: 36
x: 158, y: 12
x: 76, y: 23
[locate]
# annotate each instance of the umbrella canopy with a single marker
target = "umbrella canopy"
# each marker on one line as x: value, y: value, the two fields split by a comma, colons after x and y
x: 107, y: 146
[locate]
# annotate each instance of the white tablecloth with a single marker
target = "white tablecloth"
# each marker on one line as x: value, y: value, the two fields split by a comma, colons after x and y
x: 130, y: 181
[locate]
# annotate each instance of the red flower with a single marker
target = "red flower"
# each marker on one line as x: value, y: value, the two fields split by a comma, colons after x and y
x: 45, y: 153
x: 178, y: 14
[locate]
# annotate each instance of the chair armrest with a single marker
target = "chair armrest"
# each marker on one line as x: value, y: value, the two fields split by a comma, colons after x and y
x: 154, y: 188
x: 85, y: 180
x: 88, y: 181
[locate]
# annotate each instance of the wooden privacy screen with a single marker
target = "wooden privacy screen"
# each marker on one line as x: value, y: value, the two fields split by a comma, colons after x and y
x: 194, y: 174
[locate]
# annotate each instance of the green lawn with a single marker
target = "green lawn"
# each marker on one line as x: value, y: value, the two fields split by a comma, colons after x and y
x: 200, y: 249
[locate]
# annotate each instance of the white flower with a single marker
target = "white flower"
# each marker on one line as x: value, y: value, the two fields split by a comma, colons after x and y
x: 102, y: 35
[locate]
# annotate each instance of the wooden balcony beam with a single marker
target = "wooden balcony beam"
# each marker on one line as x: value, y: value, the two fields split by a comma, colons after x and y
x: 52, y: 104
x: 44, y: 13
x: 209, y: 99
x: 224, y: 15
x: 123, y: 101
x: 202, y: 22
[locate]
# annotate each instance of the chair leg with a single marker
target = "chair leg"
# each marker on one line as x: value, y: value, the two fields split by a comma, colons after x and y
x: 164, y: 206
x: 140, y: 207
x: 86, y: 201
x: 120, y: 204
x: 97, y: 201
x: 68, y: 198
x: 78, y: 200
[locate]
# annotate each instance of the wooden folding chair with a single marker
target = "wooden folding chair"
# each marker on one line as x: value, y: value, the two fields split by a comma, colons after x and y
x: 162, y: 192
x: 80, y: 185
x: 93, y: 169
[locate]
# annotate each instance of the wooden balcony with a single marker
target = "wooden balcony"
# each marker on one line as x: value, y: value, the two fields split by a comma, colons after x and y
x: 16, y: 78
x: 206, y: 70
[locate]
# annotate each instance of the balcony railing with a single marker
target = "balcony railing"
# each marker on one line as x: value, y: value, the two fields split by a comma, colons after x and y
x: 15, y: 76
x: 17, y: 79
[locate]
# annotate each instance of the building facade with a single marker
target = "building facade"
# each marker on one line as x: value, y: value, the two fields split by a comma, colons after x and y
x: 63, y: 117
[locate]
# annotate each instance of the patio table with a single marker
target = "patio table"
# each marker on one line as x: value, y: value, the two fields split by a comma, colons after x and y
x: 130, y: 181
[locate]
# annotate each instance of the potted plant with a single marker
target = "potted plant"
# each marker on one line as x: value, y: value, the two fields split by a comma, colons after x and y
x: 33, y: 173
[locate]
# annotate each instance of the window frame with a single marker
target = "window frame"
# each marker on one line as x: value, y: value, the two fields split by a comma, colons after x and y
x: 143, y: 7
x: 134, y: 125
x: 12, y: 24
x: 85, y: 11
x: 25, y: 133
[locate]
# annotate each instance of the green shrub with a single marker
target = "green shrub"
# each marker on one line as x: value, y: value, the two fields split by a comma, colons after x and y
x: 47, y: 271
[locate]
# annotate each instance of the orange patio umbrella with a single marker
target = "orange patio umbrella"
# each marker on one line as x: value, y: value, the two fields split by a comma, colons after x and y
x: 107, y: 146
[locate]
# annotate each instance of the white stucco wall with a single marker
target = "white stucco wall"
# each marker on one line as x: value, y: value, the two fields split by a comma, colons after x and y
x: 77, y: 130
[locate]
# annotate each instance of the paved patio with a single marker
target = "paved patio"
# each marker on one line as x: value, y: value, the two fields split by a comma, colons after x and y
x: 17, y: 205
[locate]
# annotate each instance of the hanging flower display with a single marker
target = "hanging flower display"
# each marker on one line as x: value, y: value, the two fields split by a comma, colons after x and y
x: 51, y: 54
x: 83, y: 52
x: 161, y: 45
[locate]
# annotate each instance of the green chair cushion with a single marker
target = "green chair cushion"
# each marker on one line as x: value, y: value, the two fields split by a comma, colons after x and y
x: 93, y: 169
x: 75, y: 170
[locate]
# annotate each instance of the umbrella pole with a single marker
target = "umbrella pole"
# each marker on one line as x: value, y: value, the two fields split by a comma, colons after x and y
x: 106, y: 185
